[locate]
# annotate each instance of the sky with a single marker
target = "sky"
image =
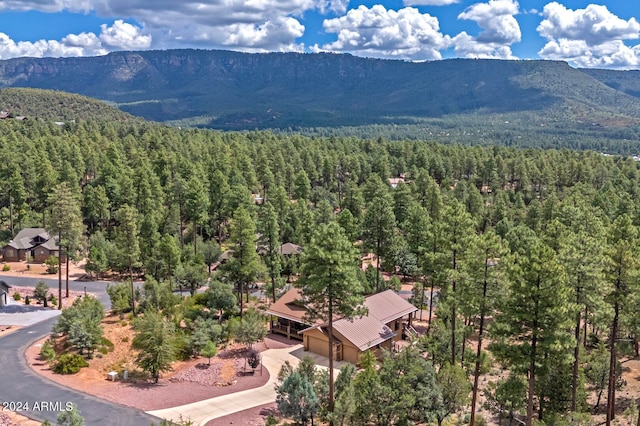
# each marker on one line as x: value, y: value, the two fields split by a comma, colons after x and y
x: 585, y: 34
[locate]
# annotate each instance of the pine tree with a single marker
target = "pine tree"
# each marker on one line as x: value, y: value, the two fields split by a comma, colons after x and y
x: 484, y: 290
x: 458, y: 229
x: 581, y: 251
x: 155, y: 339
x: 329, y: 282
x: 66, y: 225
x: 379, y: 228
x: 622, y: 274
x: 196, y: 204
x: 128, y: 244
x: 270, y: 246
x: 243, y: 266
x: 532, y: 322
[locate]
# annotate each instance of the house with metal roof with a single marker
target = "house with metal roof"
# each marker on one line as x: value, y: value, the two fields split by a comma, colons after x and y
x: 32, y: 243
x: 387, y: 322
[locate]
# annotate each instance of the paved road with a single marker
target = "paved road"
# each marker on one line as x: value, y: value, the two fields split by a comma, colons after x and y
x: 19, y: 384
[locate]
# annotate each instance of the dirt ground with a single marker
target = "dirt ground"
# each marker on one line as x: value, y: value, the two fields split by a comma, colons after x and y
x: 8, y: 418
x: 190, y: 381
x: 39, y: 270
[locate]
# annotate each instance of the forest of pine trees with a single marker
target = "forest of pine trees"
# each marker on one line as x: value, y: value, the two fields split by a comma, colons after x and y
x: 534, y: 253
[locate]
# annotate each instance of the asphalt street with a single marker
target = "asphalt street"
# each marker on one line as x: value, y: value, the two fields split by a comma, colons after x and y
x: 40, y: 398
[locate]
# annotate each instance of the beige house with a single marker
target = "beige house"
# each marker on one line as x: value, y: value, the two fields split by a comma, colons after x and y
x: 288, y: 315
x: 387, y: 323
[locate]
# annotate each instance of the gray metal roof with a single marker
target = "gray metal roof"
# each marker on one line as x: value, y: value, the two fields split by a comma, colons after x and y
x: 24, y: 239
x: 50, y: 245
x: 288, y: 249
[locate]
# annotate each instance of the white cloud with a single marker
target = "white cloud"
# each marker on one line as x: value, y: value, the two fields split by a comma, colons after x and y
x: 248, y: 25
x: 378, y: 32
x: 76, y: 45
x: 124, y: 36
x: 499, y: 30
x: 594, y: 24
x: 613, y: 54
x: 589, y: 37
x: 261, y: 24
x: 120, y: 36
x: 337, y: 6
x: 50, y: 6
x: 467, y: 46
x: 279, y: 32
x: 429, y: 2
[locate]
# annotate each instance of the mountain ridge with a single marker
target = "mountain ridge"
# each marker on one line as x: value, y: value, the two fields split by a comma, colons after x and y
x: 232, y: 90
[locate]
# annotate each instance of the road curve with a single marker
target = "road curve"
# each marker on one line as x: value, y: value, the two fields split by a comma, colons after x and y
x: 41, y: 397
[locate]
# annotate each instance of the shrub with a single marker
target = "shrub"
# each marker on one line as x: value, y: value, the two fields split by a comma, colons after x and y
x: 200, y: 299
x: 16, y: 296
x: 69, y: 364
x: 27, y: 301
x: 120, y: 296
x: 6, y: 268
x: 480, y: 421
x: 47, y: 352
x: 52, y: 264
x: 272, y: 421
x: 108, y: 344
x: 41, y: 292
x: 485, y: 362
x: 53, y: 300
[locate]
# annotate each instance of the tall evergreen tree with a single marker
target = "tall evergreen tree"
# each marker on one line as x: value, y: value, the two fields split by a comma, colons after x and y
x: 379, y: 228
x: 243, y: 266
x: 458, y: 230
x: 581, y: 251
x: 329, y: 283
x: 622, y: 274
x: 269, y: 244
x: 128, y: 244
x: 66, y: 225
x: 196, y: 204
x: 532, y: 323
x: 485, y: 287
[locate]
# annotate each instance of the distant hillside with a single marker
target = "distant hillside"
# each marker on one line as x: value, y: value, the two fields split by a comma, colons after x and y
x: 623, y: 81
x: 231, y: 90
x: 57, y: 106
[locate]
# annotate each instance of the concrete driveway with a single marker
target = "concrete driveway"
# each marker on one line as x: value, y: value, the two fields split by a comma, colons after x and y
x: 202, y: 412
x: 15, y: 313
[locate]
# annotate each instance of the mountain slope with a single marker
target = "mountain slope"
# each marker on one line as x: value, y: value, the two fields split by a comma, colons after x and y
x: 57, y: 106
x: 232, y: 90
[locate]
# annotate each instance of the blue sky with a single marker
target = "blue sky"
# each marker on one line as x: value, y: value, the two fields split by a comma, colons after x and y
x: 585, y: 34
